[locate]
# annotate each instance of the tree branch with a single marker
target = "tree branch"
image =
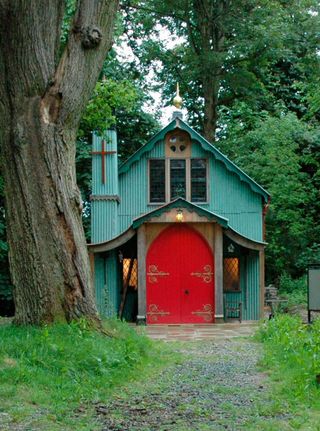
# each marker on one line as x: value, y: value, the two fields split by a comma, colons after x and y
x: 80, y: 64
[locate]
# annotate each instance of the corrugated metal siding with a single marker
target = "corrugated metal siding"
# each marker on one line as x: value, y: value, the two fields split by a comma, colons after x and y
x: 111, y: 165
x: 104, y: 213
x: 112, y: 296
x: 228, y: 196
x: 99, y: 282
x: 234, y: 200
x: 250, y: 290
x: 252, y: 309
x: 107, y: 284
x: 104, y: 220
x: 133, y: 186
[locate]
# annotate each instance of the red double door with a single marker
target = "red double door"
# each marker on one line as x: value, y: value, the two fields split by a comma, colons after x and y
x: 180, y: 278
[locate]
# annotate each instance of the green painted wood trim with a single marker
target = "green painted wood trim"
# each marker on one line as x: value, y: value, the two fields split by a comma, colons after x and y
x: 178, y: 123
x: 147, y: 147
x: 180, y: 203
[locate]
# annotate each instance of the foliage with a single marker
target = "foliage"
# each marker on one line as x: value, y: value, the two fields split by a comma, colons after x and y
x: 70, y: 8
x: 108, y: 97
x: 54, y: 370
x: 292, y: 354
x: 222, y: 52
x: 277, y: 153
x: 294, y: 290
x: 289, y: 285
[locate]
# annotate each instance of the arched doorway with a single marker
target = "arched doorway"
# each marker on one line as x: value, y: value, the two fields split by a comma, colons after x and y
x: 180, y: 277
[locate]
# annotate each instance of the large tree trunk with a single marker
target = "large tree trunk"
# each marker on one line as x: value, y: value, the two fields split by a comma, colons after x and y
x: 42, y: 98
x: 209, y: 19
x: 210, y: 92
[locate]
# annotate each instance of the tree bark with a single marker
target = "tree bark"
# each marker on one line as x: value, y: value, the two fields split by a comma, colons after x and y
x: 42, y: 98
x: 208, y: 17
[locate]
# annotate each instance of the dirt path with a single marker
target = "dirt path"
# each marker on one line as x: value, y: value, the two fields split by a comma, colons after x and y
x: 216, y: 386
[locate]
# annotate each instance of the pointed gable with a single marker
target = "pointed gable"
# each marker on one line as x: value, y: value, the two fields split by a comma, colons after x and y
x: 178, y: 123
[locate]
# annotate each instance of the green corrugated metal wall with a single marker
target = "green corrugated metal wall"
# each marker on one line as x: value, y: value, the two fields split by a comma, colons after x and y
x: 104, y: 213
x: 110, y: 187
x: 250, y: 291
x: 133, y: 187
x: 107, y: 284
x: 228, y: 196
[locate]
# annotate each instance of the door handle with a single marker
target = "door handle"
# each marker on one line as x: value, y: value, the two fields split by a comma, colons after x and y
x: 186, y: 292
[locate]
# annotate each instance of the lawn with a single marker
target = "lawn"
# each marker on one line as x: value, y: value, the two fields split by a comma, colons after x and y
x: 292, y: 361
x: 51, y: 377
x: 67, y: 377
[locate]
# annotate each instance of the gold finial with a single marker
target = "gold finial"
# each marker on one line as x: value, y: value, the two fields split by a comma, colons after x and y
x: 177, y: 100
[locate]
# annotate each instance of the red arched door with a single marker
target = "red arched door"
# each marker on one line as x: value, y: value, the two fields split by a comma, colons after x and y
x: 180, y: 278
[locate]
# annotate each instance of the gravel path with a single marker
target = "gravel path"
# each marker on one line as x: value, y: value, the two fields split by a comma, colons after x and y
x: 216, y: 386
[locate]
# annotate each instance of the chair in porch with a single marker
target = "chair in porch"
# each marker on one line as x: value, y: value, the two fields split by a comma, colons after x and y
x: 232, y: 309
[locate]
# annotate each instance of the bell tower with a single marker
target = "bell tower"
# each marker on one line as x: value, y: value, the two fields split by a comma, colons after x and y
x: 105, y: 190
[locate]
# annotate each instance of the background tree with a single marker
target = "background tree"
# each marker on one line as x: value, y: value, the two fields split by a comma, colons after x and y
x: 220, y: 44
x: 43, y: 93
x: 243, y: 68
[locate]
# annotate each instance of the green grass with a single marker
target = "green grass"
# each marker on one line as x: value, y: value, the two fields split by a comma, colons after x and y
x: 292, y: 360
x: 50, y: 377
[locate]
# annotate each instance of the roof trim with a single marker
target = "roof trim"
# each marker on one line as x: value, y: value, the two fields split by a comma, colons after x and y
x: 243, y: 240
x: 206, y: 145
x: 180, y: 203
x: 100, y: 247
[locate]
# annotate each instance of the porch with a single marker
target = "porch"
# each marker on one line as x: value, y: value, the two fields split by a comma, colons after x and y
x: 198, y: 332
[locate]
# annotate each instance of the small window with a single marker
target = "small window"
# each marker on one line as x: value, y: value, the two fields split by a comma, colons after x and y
x: 231, y: 274
x: 157, y: 181
x: 177, y: 179
x: 130, y: 273
x: 198, y: 180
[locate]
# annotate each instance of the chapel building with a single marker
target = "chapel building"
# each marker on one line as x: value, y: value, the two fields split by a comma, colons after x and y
x: 177, y: 231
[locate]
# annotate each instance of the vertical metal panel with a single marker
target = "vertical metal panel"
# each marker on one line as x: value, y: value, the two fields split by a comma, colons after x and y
x: 104, y: 213
x: 228, y: 196
x: 252, y: 311
x: 133, y: 186
x: 99, y: 281
x: 104, y: 220
x: 112, y: 288
x: 234, y: 199
x: 110, y: 187
x: 250, y: 287
x: 107, y: 284
x: 231, y: 197
x: 234, y: 297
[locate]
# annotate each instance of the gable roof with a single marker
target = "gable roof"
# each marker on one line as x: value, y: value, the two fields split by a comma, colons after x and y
x: 180, y: 203
x: 180, y: 124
